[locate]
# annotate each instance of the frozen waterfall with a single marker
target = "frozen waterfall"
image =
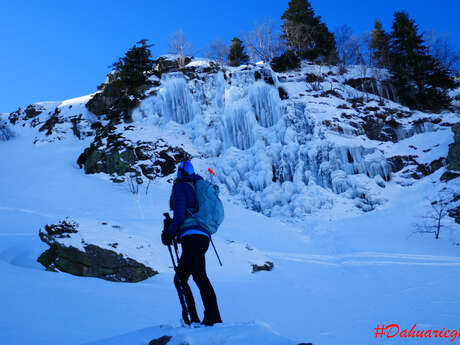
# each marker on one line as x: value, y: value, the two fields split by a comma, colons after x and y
x: 265, y: 103
x: 178, y: 103
x: 239, y: 125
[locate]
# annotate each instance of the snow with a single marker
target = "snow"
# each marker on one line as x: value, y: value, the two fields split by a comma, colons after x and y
x: 199, y: 63
x: 338, y: 271
x: 235, y: 334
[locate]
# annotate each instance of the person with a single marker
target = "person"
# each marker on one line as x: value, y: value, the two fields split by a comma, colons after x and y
x: 195, y: 242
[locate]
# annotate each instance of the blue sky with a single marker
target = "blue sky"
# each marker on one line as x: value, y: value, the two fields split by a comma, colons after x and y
x: 55, y: 50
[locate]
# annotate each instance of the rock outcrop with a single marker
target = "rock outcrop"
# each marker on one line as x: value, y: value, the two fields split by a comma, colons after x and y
x: 5, y: 133
x: 113, y: 154
x: 92, y: 261
x: 161, y: 341
x: 413, y: 168
x: 30, y: 112
x: 267, y: 266
x: 454, y: 149
x: 166, y: 64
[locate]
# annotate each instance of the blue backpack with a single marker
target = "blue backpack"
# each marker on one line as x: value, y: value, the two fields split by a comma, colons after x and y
x: 210, y: 211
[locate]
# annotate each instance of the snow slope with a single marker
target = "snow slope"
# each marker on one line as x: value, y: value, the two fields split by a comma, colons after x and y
x: 338, y: 271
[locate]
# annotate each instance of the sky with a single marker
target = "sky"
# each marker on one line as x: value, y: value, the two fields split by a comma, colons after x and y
x: 55, y: 50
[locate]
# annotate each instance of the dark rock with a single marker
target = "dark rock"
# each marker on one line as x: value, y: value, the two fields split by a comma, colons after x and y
x: 117, y: 179
x: 449, y: 175
x: 51, y: 122
x: 455, y: 213
x: 60, y: 230
x: 76, y: 127
x: 427, y: 169
x: 268, y: 266
x: 437, y: 164
x: 331, y: 93
x: 453, y: 157
x: 114, y: 102
x: 32, y: 111
x: 283, y: 93
x: 356, y: 102
x: 421, y: 170
x: 269, y: 80
x: 15, y: 116
x: 5, y: 133
x: 161, y: 341
x: 165, y: 65
x: 334, y: 126
x: 313, y: 78
x: 92, y: 262
x: 113, y: 154
x: 371, y: 108
x: 377, y: 129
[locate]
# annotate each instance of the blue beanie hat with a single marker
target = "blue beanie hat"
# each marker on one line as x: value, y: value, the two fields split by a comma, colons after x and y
x: 185, y: 169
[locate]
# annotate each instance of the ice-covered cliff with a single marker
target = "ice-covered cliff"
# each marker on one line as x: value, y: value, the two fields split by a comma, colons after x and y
x: 287, y: 156
x: 285, y: 144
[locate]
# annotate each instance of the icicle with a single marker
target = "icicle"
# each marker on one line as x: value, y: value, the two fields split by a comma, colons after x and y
x: 265, y: 103
x: 339, y: 181
x: 239, y: 124
x: 220, y: 90
x: 177, y: 101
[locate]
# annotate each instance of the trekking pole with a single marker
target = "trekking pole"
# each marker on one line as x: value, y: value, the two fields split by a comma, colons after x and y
x: 185, y: 311
x: 176, y: 250
x: 218, y: 258
x: 213, y: 175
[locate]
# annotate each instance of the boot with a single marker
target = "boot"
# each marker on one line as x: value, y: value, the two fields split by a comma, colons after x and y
x: 210, y: 320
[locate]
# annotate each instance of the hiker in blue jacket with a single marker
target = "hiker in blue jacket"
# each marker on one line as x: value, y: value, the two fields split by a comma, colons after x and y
x: 195, y: 242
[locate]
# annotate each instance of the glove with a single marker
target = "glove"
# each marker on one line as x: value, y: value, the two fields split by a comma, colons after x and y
x: 166, y: 221
x: 166, y: 238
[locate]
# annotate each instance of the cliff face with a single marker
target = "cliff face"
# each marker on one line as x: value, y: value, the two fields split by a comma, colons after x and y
x: 284, y: 144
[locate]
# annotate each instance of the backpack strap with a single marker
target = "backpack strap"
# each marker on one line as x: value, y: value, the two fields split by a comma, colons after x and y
x: 191, y: 211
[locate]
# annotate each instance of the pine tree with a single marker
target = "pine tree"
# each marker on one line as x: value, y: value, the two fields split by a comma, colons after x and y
x: 306, y: 34
x: 132, y: 69
x: 131, y: 74
x: 420, y: 79
x: 380, y: 45
x: 237, y: 54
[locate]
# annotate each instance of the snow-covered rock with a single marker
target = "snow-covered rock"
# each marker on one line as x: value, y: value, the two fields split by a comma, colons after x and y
x: 83, y: 258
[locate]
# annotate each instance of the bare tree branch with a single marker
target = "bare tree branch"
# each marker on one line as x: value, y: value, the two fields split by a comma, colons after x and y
x: 264, y: 41
x: 439, y: 46
x: 349, y: 46
x: 435, y: 214
x: 179, y: 45
x: 218, y: 51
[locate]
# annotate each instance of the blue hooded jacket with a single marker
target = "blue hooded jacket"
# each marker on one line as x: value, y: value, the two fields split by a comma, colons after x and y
x: 183, y: 199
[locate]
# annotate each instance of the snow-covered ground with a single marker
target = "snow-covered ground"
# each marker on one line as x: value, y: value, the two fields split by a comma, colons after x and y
x: 334, y: 279
x: 339, y: 272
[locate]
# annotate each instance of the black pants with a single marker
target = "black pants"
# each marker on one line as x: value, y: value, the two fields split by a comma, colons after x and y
x: 192, y: 262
